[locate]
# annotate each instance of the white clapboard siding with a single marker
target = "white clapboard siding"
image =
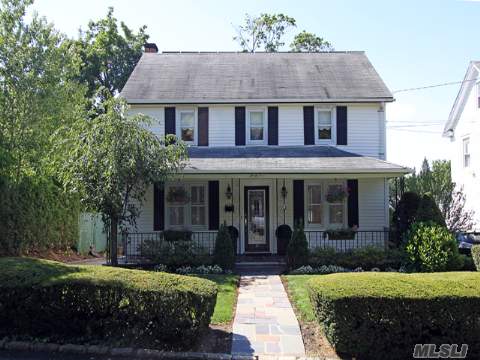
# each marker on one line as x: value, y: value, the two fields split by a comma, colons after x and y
x: 157, y: 114
x: 221, y: 126
x: 372, y: 204
x: 290, y: 125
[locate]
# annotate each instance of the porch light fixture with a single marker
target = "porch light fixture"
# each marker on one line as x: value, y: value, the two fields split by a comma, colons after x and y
x: 284, y: 192
x: 229, y: 193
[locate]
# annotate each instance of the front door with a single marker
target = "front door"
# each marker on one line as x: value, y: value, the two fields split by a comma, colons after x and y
x: 256, y: 219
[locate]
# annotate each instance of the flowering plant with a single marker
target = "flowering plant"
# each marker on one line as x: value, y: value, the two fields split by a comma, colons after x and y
x: 336, y: 194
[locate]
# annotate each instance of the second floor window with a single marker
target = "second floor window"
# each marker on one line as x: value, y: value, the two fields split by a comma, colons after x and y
x: 466, y: 152
x: 324, y: 125
x: 187, y: 126
x: 256, y: 129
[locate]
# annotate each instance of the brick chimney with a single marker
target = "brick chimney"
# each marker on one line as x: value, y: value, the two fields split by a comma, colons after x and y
x: 150, y: 48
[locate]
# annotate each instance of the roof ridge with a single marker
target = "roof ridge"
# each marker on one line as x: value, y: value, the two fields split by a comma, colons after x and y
x: 260, y: 52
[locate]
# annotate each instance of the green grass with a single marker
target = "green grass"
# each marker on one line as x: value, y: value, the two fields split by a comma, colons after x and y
x: 226, y: 297
x: 385, y: 285
x: 297, y: 289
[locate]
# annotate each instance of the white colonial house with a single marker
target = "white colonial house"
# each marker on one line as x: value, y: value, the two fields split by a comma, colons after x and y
x: 274, y: 139
x: 463, y: 129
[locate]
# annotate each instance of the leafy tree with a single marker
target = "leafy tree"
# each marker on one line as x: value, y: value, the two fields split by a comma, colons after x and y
x: 111, y: 160
x: 436, y: 181
x: 308, y: 42
x: 108, y: 55
x: 264, y: 31
x: 37, y: 93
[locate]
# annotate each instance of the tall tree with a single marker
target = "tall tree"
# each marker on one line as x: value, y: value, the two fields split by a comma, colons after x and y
x: 309, y: 42
x: 265, y: 32
x: 108, y: 54
x: 111, y: 160
x: 37, y: 90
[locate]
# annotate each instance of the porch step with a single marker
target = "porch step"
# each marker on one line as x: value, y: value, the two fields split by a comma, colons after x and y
x: 259, y: 268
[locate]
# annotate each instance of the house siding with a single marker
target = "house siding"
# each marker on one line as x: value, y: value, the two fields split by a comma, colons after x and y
x: 365, y: 123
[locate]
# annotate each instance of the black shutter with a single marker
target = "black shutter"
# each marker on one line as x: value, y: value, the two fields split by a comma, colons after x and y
x: 273, y: 125
x: 213, y: 205
x: 308, y: 125
x: 170, y: 127
x: 298, y: 202
x: 240, y: 125
x: 352, y: 202
x: 342, y: 125
x: 158, y: 207
x: 203, y: 126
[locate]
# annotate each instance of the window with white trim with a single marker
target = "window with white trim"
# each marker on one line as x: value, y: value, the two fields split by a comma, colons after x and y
x: 187, y: 206
x: 466, y: 152
x: 325, y: 204
x: 187, y: 125
x: 256, y: 127
x: 324, y: 125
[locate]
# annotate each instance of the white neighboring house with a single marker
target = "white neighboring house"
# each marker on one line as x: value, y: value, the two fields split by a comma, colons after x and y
x: 463, y: 129
x: 274, y: 138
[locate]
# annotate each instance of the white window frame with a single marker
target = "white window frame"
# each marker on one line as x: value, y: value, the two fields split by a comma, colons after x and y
x: 325, y: 206
x: 333, y: 114
x: 188, y: 207
x: 178, y: 122
x: 466, y: 154
x: 265, y: 126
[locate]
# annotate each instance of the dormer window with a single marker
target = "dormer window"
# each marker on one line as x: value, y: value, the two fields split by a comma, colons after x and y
x: 324, y: 125
x: 187, y: 122
x: 466, y: 152
x: 256, y: 127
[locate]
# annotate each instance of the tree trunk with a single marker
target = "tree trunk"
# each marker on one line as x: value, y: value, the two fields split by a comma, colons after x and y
x: 113, y: 240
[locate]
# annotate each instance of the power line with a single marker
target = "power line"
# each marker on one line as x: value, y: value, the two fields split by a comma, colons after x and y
x: 434, y: 86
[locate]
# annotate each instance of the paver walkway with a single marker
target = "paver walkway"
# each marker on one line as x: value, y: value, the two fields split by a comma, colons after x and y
x: 264, y: 320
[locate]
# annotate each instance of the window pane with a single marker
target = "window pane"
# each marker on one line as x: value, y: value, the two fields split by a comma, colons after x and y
x: 315, y: 214
x: 198, y: 194
x: 198, y: 215
x: 177, y: 215
x: 314, y: 194
x: 256, y: 125
x: 256, y: 133
x: 187, y: 124
x: 325, y: 117
x: 324, y: 132
x: 336, y: 214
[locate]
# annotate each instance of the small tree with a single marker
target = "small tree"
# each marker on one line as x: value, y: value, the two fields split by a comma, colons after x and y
x: 428, y: 211
x: 111, y: 160
x: 306, y: 41
x: 224, y: 253
x: 297, y: 249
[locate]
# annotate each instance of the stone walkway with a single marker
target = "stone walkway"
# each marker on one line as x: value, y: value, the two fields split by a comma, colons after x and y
x: 265, y: 323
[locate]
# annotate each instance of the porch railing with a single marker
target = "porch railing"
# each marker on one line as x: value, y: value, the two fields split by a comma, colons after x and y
x: 361, y: 239
x: 146, y: 246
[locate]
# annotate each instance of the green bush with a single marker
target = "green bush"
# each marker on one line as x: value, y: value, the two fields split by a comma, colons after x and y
x: 46, y: 299
x: 428, y: 210
x: 366, y: 258
x: 383, y: 315
x: 431, y: 247
x: 297, y: 249
x: 476, y: 256
x: 224, y: 253
x: 36, y: 215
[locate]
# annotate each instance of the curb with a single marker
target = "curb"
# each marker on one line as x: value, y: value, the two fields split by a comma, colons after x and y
x: 129, y: 352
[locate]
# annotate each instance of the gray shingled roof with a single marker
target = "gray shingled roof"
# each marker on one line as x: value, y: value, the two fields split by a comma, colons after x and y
x: 284, y: 159
x: 254, y: 77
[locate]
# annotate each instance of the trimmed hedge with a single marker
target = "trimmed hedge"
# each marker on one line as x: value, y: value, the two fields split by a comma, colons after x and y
x: 383, y: 315
x: 51, y: 300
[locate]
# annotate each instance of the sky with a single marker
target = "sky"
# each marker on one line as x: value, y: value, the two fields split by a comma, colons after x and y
x: 411, y: 43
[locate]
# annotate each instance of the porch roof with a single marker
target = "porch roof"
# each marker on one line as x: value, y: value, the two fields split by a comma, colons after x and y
x: 285, y: 159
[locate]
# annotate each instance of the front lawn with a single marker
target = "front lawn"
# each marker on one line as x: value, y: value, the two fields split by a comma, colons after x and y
x: 226, y: 297
x: 380, y: 315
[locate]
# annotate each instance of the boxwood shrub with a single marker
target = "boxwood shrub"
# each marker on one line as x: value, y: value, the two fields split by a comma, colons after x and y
x: 54, y: 301
x: 383, y: 315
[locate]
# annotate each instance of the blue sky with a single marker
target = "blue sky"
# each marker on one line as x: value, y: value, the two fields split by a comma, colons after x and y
x: 410, y: 43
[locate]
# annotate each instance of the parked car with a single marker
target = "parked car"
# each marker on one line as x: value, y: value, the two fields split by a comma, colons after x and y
x: 466, y: 240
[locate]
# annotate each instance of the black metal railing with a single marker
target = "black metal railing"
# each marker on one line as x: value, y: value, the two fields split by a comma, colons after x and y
x: 360, y: 239
x: 146, y: 247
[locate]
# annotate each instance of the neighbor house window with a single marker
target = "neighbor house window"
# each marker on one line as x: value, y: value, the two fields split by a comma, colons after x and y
x: 187, y: 125
x: 324, y: 125
x: 256, y: 129
x: 186, y: 206
x: 325, y: 204
x: 466, y: 152
x: 478, y: 95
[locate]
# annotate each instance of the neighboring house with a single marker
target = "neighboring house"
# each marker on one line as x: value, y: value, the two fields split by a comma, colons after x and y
x: 274, y: 138
x: 463, y: 129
